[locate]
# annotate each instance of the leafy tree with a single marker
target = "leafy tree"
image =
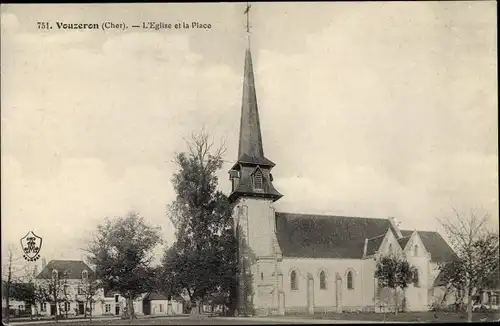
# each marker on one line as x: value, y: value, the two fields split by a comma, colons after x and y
x: 120, y: 250
x: 202, y: 262
x: 476, y: 246
x: 395, y: 273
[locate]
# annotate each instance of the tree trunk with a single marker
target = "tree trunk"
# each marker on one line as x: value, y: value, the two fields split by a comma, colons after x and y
x: 130, y: 309
x: 396, y: 300
x: 469, y: 307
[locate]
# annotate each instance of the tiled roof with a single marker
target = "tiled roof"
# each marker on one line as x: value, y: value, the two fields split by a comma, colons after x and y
x: 435, y: 244
x: 321, y: 236
x: 373, y: 244
x: 73, y: 268
x: 155, y: 296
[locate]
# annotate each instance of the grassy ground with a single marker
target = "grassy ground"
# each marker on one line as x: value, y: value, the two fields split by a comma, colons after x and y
x: 410, y: 316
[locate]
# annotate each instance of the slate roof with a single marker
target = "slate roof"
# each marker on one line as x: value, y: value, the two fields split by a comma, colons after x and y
x: 404, y: 240
x: 435, y: 244
x: 73, y: 268
x: 373, y: 244
x: 322, y: 236
x: 245, y: 186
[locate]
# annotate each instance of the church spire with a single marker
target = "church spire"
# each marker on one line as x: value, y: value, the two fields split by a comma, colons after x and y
x: 250, y: 144
x: 251, y: 174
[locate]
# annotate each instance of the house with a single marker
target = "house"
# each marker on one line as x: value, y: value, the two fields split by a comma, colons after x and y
x: 155, y: 303
x: 69, y: 281
x: 307, y: 263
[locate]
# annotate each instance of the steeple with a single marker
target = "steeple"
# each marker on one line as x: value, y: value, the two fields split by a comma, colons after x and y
x: 251, y: 174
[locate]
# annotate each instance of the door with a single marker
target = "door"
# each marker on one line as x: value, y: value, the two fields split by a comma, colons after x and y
x: 53, y: 309
x: 81, y: 308
x: 117, y: 309
x: 146, y: 307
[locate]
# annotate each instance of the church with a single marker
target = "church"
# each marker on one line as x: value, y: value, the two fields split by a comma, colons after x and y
x: 305, y: 263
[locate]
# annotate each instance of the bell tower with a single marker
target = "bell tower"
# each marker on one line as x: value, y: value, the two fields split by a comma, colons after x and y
x: 253, y: 195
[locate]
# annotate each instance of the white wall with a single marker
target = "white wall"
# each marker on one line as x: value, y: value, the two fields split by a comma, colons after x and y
x: 325, y: 300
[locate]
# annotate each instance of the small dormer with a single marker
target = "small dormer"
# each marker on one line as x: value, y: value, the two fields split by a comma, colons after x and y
x: 55, y: 274
x: 85, y: 275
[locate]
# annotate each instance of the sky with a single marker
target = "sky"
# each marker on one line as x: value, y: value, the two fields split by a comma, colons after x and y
x: 368, y: 109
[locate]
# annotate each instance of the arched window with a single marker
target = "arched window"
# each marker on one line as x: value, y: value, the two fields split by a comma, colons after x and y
x: 416, y: 279
x: 293, y: 281
x: 415, y: 250
x: 322, y: 280
x: 85, y: 275
x: 350, y: 280
x: 258, y: 179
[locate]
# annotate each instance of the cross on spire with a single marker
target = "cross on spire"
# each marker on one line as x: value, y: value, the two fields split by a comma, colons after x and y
x: 247, y: 13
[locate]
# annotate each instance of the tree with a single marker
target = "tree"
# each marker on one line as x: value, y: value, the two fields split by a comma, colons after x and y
x: 121, y: 250
x: 394, y: 273
x: 25, y: 292
x: 88, y: 290
x: 202, y: 261
x: 11, y: 268
x: 476, y: 246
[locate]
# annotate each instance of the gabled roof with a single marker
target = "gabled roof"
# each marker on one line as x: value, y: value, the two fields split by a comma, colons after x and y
x: 72, y: 268
x: 373, y: 244
x: 322, y: 236
x: 435, y: 244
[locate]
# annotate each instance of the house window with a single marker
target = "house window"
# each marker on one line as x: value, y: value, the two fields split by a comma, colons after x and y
x: 415, y: 250
x: 161, y: 308
x: 107, y: 307
x: 350, y: 283
x: 116, y: 297
x: 322, y: 280
x: 43, y: 307
x: 85, y: 275
x: 293, y: 281
x: 80, y: 290
x: 257, y: 179
x: 416, y: 280
x: 67, y: 306
x: 493, y: 300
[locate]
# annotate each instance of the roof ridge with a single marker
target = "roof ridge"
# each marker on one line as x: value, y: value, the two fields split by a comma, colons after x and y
x: 325, y: 215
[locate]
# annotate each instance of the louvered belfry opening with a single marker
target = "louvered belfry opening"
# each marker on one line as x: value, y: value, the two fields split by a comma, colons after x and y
x: 258, y: 182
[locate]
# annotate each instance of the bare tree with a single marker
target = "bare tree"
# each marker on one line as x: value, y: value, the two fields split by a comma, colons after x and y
x: 11, y: 276
x: 88, y: 290
x: 476, y: 246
